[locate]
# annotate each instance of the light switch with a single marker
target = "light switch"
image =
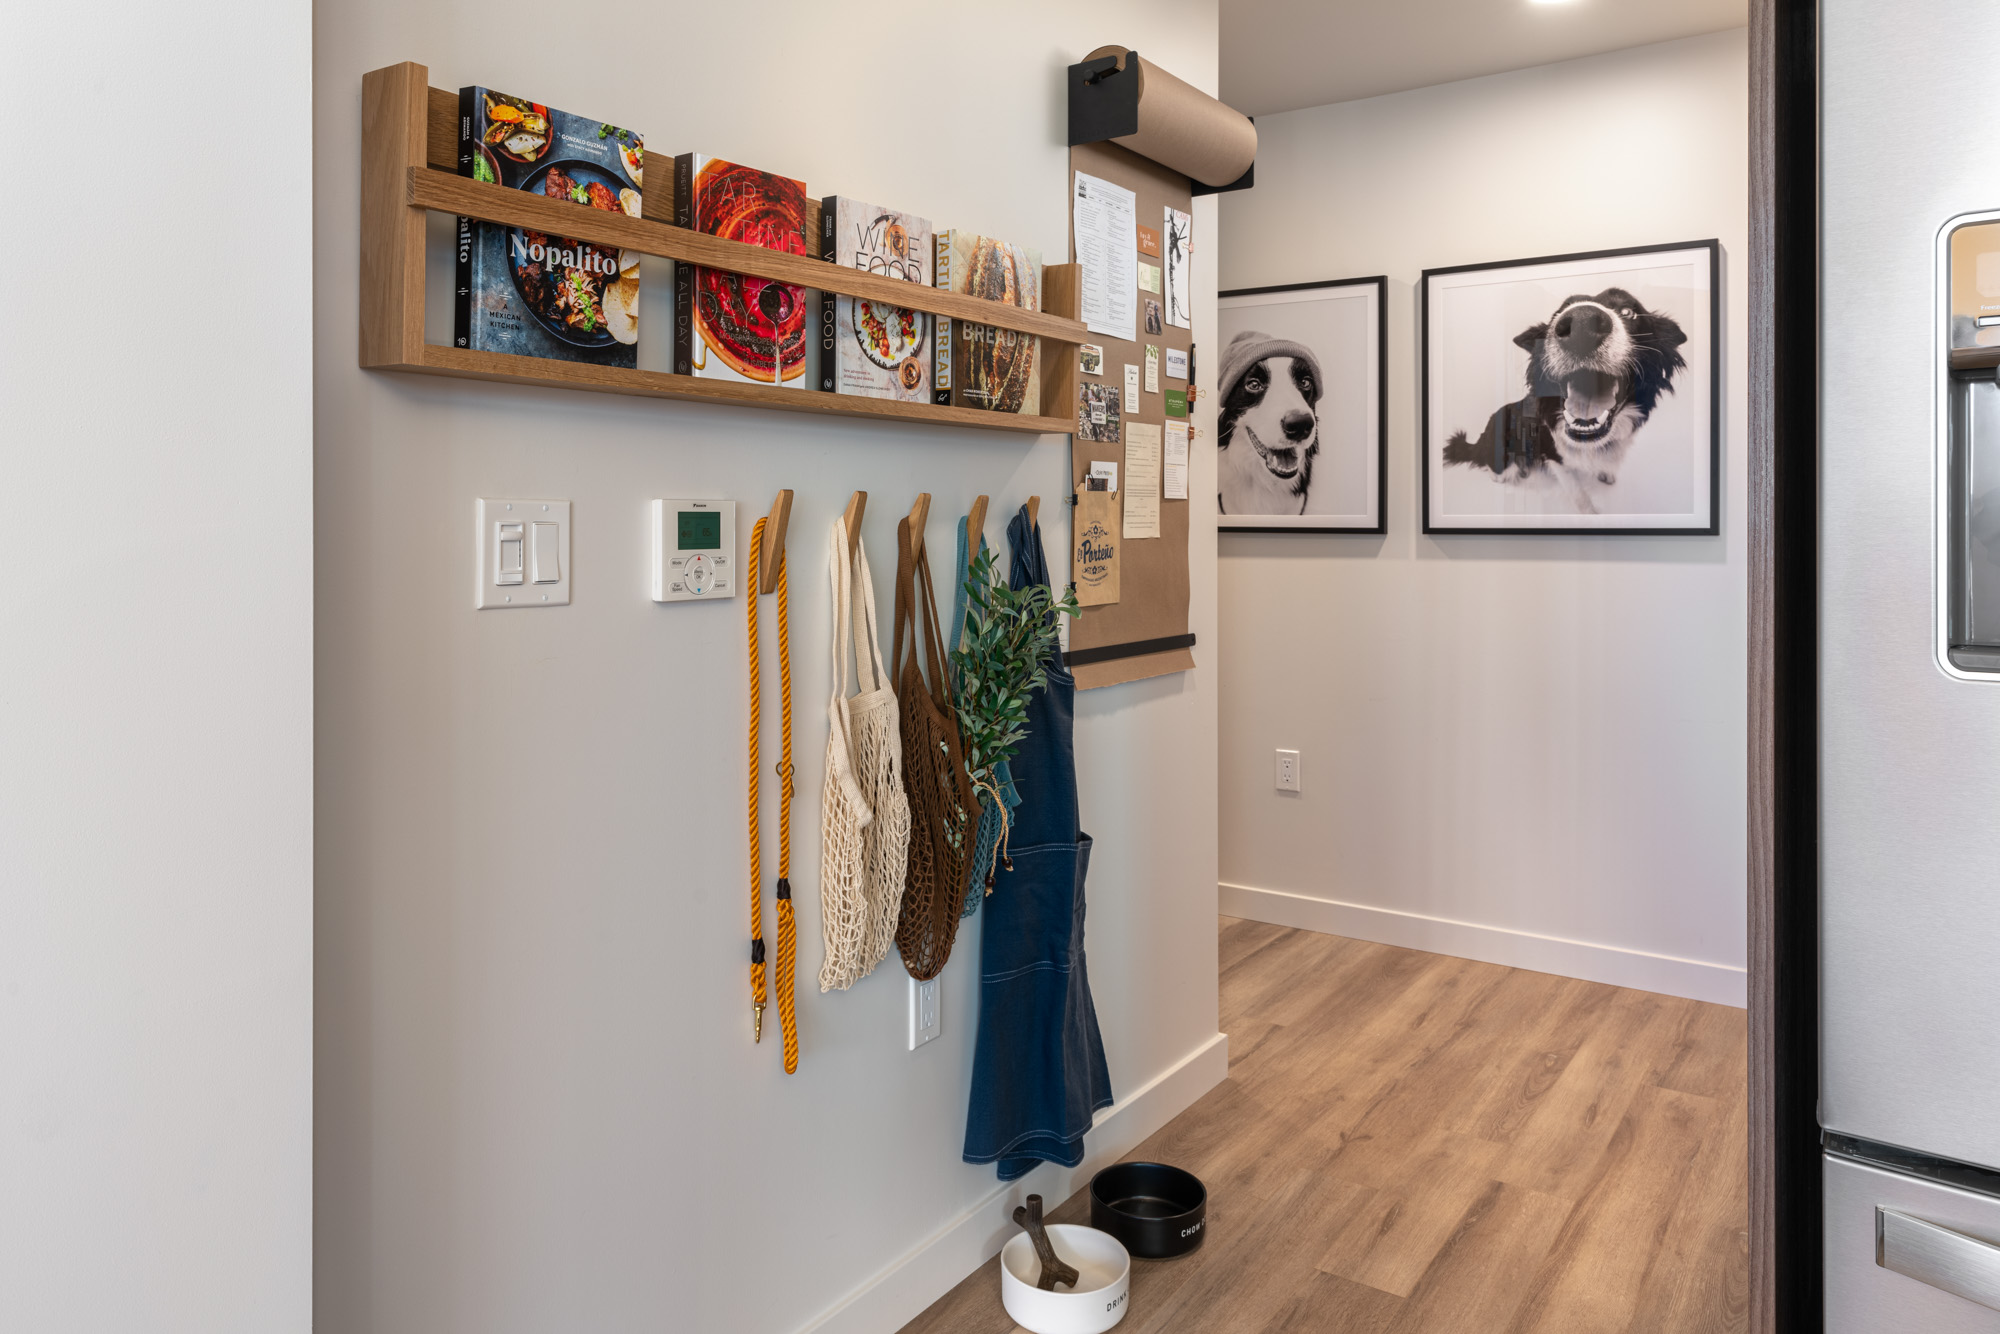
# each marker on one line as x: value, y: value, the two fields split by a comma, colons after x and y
x: 507, y: 563
x: 548, y: 552
x: 522, y: 554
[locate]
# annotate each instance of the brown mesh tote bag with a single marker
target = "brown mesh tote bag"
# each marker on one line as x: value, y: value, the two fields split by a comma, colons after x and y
x: 940, y: 791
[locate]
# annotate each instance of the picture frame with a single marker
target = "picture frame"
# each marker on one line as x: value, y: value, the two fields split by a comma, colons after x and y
x: 1571, y: 394
x: 1337, y: 330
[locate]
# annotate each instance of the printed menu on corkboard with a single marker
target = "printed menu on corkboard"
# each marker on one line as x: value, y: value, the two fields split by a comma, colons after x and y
x: 1145, y: 632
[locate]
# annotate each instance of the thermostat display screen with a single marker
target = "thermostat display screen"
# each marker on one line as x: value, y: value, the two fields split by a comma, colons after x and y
x: 701, y: 530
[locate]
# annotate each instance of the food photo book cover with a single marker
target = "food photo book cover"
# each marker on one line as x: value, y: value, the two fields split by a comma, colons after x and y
x: 530, y: 293
x: 867, y: 348
x: 980, y: 365
x: 734, y: 326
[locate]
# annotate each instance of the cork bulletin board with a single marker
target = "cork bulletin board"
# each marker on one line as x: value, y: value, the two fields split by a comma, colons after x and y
x: 1144, y: 633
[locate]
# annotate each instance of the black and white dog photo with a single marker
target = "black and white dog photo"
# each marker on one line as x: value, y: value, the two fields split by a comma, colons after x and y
x: 1267, y: 427
x: 1596, y: 371
x: 1302, y: 445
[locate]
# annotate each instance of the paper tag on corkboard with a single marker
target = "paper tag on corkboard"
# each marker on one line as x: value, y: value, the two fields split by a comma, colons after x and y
x: 1094, y: 554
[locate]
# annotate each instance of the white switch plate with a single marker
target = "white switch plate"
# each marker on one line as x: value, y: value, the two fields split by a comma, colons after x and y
x: 534, y: 573
x: 925, y: 1019
x: 1288, y: 771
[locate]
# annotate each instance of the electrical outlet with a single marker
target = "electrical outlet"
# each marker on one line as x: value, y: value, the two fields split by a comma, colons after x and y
x: 1288, y: 771
x: 924, y: 1013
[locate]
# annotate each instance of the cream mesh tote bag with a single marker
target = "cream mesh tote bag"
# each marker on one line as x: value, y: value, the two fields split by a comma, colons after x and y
x: 864, y: 814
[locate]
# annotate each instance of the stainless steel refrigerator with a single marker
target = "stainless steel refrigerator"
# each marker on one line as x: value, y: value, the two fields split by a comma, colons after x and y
x: 1909, y: 656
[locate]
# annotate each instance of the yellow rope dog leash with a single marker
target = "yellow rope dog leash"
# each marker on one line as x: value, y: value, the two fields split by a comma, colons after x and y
x: 787, y: 923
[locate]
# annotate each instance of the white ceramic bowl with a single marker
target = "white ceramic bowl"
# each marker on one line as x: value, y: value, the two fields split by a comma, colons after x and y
x: 1097, y: 1302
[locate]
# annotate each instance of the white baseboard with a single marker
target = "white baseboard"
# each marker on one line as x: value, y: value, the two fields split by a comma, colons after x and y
x: 1692, y: 978
x: 899, y: 1293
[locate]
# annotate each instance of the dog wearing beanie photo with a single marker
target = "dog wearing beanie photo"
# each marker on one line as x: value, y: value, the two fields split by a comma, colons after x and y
x: 1268, y: 424
x: 1298, y: 393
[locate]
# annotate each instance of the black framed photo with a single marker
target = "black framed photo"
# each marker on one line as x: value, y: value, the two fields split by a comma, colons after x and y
x: 1301, y: 436
x: 1574, y: 394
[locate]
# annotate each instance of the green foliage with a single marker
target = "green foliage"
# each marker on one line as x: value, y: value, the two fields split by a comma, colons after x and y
x: 1001, y: 660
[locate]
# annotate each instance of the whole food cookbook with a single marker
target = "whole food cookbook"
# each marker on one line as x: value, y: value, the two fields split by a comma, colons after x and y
x: 531, y: 293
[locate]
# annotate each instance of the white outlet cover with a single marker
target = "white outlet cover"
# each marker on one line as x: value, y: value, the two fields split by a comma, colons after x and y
x: 1288, y: 771
x: 531, y: 582
x: 926, y: 1015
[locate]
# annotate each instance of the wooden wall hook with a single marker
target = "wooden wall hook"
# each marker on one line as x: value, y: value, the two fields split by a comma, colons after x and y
x: 857, y: 506
x: 1034, y: 511
x: 975, y: 528
x: 771, y: 555
x: 920, y: 514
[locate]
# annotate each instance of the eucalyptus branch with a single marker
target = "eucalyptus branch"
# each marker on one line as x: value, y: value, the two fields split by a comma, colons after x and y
x: 1000, y: 661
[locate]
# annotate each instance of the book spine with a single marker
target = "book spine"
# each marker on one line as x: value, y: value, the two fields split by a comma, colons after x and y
x: 941, y: 347
x: 461, y: 302
x: 829, y: 369
x: 683, y: 273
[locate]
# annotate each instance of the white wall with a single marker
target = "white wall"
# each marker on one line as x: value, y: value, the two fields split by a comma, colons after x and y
x: 539, y: 1106
x: 1526, y: 749
x: 156, y: 741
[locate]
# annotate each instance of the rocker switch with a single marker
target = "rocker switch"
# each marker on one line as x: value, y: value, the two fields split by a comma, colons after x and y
x: 547, y: 552
x: 507, y: 552
x: 521, y: 554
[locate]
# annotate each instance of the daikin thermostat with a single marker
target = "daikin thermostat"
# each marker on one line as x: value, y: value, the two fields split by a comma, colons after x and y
x: 694, y: 550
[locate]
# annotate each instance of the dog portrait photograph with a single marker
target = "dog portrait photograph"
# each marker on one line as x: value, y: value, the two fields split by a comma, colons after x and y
x: 1573, y: 394
x: 1299, y: 424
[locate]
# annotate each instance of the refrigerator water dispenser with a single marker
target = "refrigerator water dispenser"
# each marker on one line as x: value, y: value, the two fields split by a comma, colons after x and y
x: 1969, y: 466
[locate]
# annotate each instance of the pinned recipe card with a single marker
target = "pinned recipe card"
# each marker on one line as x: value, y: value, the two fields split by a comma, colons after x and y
x: 1142, y: 479
x: 1152, y: 369
x: 1103, y: 220
x: 1174, y: 465
x: 1131, y: 387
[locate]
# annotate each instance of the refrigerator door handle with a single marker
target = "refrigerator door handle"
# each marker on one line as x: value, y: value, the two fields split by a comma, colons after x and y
x: 1963, y: 1266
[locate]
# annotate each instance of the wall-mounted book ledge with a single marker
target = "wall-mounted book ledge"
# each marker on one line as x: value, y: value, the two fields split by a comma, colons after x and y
x: 409, y: 155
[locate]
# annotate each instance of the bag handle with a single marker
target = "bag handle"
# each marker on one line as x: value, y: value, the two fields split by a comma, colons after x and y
x: 906, y: 571
x: 940, y: 684
x: 871, y: 672
x: 837, y: 575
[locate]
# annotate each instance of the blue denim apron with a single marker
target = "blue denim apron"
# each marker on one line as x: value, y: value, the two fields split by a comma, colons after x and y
x: 1038, y: 1071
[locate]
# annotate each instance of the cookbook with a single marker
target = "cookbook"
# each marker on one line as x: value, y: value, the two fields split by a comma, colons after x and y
x: 978, y: 365
x: 867, y: 348
x: 730, y: 326
x: 530, y: 293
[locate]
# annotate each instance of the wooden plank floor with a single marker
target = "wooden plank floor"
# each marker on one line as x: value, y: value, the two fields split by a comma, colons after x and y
x: 1411, y: 1143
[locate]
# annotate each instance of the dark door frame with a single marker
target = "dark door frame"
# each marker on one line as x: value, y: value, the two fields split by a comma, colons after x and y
x: 1784, y: 1295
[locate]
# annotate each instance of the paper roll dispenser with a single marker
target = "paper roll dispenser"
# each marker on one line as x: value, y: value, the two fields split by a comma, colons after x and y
x: 1116, y: 94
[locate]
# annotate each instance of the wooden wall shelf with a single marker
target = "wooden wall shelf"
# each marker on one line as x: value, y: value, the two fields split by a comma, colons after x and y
x: 409, y: 151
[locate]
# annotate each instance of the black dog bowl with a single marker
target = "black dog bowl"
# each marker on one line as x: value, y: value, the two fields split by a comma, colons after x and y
x: 1157, y: 1211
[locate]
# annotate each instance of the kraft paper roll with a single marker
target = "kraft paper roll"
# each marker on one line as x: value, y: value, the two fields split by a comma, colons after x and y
x: 1184, y: 128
